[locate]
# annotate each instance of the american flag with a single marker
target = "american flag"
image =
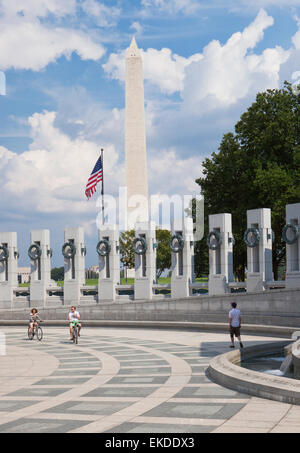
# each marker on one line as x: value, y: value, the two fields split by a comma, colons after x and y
x: 95, y: 177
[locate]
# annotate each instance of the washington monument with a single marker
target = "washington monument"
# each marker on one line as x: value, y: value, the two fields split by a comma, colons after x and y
x: 135, y: 138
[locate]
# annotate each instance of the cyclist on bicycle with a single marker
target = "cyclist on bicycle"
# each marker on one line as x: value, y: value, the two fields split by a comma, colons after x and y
x: 74, y: 317
x: 34, y: 319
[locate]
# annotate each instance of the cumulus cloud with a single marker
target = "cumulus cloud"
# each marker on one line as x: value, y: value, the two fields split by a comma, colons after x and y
x: 230, y: 72
x: 224, y: 73
x: 53, y: 172
x: 162, y: 68
x: 29, y: 41
x: 296, y: 37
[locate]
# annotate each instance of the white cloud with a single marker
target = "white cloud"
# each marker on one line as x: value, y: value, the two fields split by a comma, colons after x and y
x: 2, y: 84
x: 137, y: 27
x: 37, y: 8
x: 257, y: 4
x: 224, y: 73
x: 232, y: 71
x: 172, y: 6
x: 216, y: 86
x: 161, y: 68
x: 51, y: 176
x: 29, y: 41
x: 166, y: 169
x: 165, y: 69
x: 105, y: 16
x: 296, y: 37
x: 53, y: 173
x: 240, y: 6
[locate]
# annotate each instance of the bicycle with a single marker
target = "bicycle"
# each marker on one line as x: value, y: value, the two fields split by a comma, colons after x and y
x: 37, y: 331
x: 74, y: 325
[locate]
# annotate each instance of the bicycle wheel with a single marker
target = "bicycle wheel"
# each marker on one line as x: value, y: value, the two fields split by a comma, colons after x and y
x: 75, y: 334
x: 39, y: 333
x: 30, y: 335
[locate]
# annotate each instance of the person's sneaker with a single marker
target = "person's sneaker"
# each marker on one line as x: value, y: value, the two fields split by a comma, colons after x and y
x: 231, y: 346
x: 241, y: 345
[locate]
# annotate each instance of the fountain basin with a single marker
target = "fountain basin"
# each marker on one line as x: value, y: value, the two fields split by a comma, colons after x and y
x: 225, y: 369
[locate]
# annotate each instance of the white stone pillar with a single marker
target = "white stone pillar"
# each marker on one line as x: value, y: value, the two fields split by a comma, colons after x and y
x: 74, y: 261
x: 291, y: 235
x: 40, y: 257
x: 182, y: 245
x: 8, y: 268
x: 145, y: 260
x: 259, y: 249
x: 108, y: 249
x: 220, y: 243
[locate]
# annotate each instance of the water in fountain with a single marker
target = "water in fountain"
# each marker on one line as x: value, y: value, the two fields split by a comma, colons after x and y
x: 276, y: 364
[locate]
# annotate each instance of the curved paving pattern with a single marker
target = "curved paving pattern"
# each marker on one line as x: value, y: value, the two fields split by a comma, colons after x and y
x: 121, y: 381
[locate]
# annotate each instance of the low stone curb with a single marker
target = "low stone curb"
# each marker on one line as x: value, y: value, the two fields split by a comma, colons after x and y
x: 278, y: 331
x: 224, y: 370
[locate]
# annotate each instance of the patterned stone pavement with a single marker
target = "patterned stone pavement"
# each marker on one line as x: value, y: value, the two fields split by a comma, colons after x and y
x: 119, y: 380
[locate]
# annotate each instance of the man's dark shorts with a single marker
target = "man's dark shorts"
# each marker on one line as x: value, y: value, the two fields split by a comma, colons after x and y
x: 235, y: 331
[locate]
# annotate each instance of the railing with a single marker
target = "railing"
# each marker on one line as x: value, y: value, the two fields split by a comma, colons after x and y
x: 89, y: 290
x: 161, y: 290
x: 126, y: 292
x: 198, y: 285
x: 22, y: 292
x: 275, y: 285
x: 237, y: 284
x: 197, y: 288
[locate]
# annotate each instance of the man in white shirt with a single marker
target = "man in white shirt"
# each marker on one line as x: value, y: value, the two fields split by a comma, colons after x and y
x: 235, y: 321
x: 73, y: 317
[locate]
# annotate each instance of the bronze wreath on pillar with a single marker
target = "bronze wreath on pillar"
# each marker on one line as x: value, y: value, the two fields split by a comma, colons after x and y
x: 4, y: 253
x: 176, y: 243
x: 103, y: 247
x: 34, y: 252
x: 254, y: 239
x: 68, y: 250
x: 214, y: 240
x: 139, y: 246
x: 295, y: 231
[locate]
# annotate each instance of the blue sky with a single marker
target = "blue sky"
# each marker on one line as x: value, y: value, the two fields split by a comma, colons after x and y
x: 63, y: 61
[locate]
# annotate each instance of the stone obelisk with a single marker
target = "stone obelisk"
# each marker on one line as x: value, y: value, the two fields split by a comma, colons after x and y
x: 135, y: 138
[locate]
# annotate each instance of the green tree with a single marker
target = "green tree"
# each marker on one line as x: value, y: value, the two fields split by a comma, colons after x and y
x: 258, y: 166
x: 57, y: 273
x: 163, y: 257
x: 127, y: 254
x: 201, y: 258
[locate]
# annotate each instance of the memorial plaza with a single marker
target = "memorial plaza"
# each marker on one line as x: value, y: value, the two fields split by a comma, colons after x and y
x: 126, y: 380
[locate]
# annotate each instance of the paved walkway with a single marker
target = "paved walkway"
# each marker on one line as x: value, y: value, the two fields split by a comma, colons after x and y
x: 127, y: 381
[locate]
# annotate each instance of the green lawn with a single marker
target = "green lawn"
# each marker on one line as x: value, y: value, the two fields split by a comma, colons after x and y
x: 130, y: 281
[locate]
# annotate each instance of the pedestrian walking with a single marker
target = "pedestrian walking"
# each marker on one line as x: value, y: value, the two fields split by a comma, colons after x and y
x: 235, y: 322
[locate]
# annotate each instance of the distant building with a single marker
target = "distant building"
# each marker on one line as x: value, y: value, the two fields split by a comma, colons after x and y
x: 92, y: 272
x: 24, y: 274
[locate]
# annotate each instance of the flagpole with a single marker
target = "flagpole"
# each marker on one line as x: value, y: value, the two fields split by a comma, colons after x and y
x: 102, y: 190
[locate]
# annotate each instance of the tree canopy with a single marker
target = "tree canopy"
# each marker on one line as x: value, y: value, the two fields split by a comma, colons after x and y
x: 58, y: 273
x: 163, y: 258
x: 258, y: 166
